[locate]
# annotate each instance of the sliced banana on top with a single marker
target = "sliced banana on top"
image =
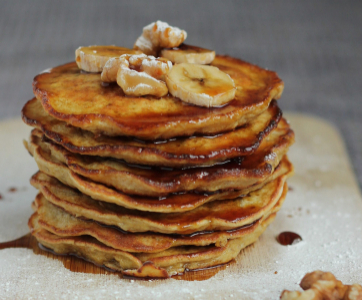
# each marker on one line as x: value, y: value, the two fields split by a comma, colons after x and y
x: 189, y: 54
x: 93, y: 58
x: 200, y: 85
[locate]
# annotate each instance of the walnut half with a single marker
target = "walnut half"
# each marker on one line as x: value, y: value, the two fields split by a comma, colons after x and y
x: 320, y: 285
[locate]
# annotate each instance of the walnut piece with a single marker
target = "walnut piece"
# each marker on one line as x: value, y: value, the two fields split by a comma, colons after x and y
x: 158, y: 35
x: 320, y: 285
x: 140, y: 75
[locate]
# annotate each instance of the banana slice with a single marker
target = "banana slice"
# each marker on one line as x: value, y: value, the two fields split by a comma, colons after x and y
x: 200, y: 85
x: 189, y: 54
x: 93, y: 58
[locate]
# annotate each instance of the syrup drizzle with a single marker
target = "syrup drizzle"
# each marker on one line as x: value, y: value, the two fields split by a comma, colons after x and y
x: 288, y: 238
x: 77, y: 264
x: 175, y: 235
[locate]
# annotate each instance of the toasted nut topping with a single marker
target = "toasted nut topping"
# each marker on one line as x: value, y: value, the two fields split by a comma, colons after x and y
x: 140, y: 75
x: 109, y: 73
x: 159, y: 35
x: 320, y: 285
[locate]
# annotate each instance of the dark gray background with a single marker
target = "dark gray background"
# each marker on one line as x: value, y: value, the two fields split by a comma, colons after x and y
x: 315, y: 46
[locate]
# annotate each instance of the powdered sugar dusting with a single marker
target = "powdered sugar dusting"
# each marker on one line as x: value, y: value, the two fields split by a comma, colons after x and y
x: 135, y: 73
x: 327, y: 216
x: 153, y: 65
x: 111, y: 61
x: 151, y: 62
x: 159, y: 35
x: 133, y: 89
x: 133, y: 59
x: 144, y: 43
x: 163, y: 26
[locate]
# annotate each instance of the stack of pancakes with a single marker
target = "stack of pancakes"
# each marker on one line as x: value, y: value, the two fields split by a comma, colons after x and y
x: 153, y: 186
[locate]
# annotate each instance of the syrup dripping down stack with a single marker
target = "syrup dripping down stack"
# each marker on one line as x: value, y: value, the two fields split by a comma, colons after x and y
x: 153, y: 186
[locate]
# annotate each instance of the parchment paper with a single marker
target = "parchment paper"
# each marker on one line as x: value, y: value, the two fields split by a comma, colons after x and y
x: 324, y: 207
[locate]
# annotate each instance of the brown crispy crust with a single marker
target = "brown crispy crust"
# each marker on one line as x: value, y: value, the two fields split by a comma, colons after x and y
x: 59, y: 222
x: 252, y: 170
x: 217, y: 215
x: 172, y: 203
x: 171, y: 118
x: 174, y: 153
x: 162, y: 264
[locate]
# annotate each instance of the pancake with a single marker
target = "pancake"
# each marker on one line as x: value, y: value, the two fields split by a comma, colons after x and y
x: 153, y: 186
x: 171, y: 203
x: 161, y: 264
x: 81, y: 100
x: 178, y: 152
x: 216, y: 215
x: 61, y: 223
x: 235, y: 174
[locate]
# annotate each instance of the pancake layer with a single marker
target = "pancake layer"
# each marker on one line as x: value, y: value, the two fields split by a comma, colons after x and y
x: 235, y: 174
x: 153, y: 186
x: 81, y: 100
x: 176, y: 152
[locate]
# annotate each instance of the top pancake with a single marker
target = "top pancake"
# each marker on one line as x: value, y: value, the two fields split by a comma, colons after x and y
x: 81, y: 100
